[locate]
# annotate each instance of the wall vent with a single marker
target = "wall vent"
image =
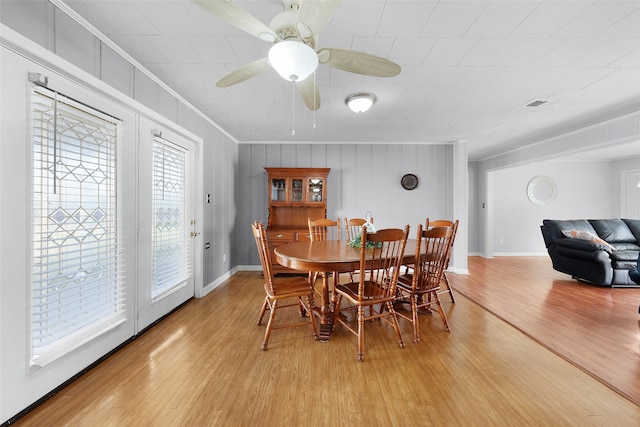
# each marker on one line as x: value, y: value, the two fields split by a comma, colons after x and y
x: 536, y: 103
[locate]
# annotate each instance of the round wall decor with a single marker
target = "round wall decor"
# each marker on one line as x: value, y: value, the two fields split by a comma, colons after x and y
x: 409, y: 181
x: 542, y: 190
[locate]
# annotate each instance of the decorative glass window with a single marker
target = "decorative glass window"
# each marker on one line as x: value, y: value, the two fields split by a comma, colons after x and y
x: 76, y: 275
x: 171, y: 249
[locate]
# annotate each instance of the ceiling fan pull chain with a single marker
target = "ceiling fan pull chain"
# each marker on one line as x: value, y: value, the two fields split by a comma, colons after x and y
x: 293, y: 108
x: 314, y: 99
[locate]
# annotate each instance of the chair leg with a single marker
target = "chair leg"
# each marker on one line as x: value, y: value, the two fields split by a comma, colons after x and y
x: 443, y: 316
x: 360, y: 333
x: 265, y: 305
x: 448, y: 288
x: 267, y: 333
x: 396, y: 326
x: 414, y: 316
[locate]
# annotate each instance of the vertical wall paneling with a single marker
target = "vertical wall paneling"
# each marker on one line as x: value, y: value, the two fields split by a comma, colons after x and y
x: 365, y: 169
x: 258, y: 190
x: 413, y: 159
x: 318, y: 155
x: 273, y: 155
x: 116, y: 71
x: 289, y: 155
x: 167, y: 105
x: 75, y: 44
x: 185, y: 115
x: 303, y: 157
x: 363, y: 177
x: 33, y: 19
x: 245, y: 252
x: 334, y: 180
x: 381, y: 170
x: 145, y: 91
x: 350, y: 182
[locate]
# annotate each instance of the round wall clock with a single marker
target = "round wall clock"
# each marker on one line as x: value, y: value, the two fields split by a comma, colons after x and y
x: 409, y: 181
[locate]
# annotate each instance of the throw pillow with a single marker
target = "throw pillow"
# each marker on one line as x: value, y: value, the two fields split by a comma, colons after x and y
x: 585, y: 235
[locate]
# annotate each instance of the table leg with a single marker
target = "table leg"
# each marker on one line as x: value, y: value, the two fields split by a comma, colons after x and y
x: 326, y: 312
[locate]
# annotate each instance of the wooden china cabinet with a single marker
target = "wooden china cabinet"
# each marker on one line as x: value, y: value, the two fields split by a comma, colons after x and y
x: 294, y: 194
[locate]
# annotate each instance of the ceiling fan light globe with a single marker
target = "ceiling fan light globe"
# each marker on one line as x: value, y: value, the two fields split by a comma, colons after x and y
x: 293, y: 60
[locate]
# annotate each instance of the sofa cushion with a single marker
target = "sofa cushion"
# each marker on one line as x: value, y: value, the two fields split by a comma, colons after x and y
x: 624, y: 260
x: 613, y: 230
x: 626, y: 246
x: 552, y: 228
x: 634, y: 227
x: 588, y: 236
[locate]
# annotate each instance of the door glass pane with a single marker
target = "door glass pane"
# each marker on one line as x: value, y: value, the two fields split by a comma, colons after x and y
x: 76, y: 287
x: 170, y: 246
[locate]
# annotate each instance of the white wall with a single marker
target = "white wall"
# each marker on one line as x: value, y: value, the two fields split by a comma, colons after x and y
x: 585, y: 190
x: 539, y: 157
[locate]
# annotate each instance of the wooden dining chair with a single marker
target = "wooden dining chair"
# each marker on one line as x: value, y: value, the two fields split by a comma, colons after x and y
x: 442, y: 223
x: 446, y: 223
x: 353, y: 227
x: 419, y: 287
x: 380, y: 261
x: 321, y: 230
x: 288, y: 288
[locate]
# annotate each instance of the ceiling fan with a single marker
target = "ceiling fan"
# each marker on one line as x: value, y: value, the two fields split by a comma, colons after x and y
x: 294, y: 33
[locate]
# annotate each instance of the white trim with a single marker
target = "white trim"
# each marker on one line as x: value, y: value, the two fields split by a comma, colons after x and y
x: 38, y: 54
x: 107, y: 41
x: 219, y: 281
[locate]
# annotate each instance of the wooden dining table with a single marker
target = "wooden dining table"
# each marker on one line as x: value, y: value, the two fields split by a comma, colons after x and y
x: 330, y: 256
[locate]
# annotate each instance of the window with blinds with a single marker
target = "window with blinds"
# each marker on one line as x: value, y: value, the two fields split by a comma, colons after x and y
x: 76, y: 280
x: 170, y: 246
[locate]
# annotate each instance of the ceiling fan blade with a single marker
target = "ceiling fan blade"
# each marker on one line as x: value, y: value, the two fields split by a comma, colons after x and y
x: 314, y: 14
x: 238, y: 18
x: 358, y: 62
x: 309, y: 92
x: 243, y: 73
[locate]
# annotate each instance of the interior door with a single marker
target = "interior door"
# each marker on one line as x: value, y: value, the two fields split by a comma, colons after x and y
x: 631, y: 194
x: 167, y: 228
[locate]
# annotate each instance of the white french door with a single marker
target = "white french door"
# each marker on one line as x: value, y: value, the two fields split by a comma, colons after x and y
x: 167, y: 222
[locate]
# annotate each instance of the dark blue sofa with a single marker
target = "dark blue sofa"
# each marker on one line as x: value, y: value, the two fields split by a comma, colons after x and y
x: 604, y: 260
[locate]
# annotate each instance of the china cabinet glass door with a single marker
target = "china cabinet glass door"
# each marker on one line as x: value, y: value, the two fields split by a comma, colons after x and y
x: 278, y: 190
x: 297, y: 190
x: 315, y: 193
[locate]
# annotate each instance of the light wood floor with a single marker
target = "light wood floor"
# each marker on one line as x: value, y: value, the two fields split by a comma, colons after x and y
x: 596, y: 328
x: 202, y: 366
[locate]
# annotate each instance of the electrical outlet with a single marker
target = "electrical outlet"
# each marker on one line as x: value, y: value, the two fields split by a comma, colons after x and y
x: 207, y: 245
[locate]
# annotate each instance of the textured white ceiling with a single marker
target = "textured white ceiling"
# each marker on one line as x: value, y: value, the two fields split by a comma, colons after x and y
x: 468, y: 68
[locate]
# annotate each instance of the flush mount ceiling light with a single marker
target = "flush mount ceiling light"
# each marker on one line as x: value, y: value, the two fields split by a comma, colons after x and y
x: 360, y: 102
x: 293, y: 60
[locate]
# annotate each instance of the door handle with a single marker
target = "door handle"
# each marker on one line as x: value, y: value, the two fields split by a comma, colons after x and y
x: 193, y: 234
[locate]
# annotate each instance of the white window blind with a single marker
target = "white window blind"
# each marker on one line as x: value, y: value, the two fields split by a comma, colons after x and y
x: 76, y: 290
x: 171, y: 249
